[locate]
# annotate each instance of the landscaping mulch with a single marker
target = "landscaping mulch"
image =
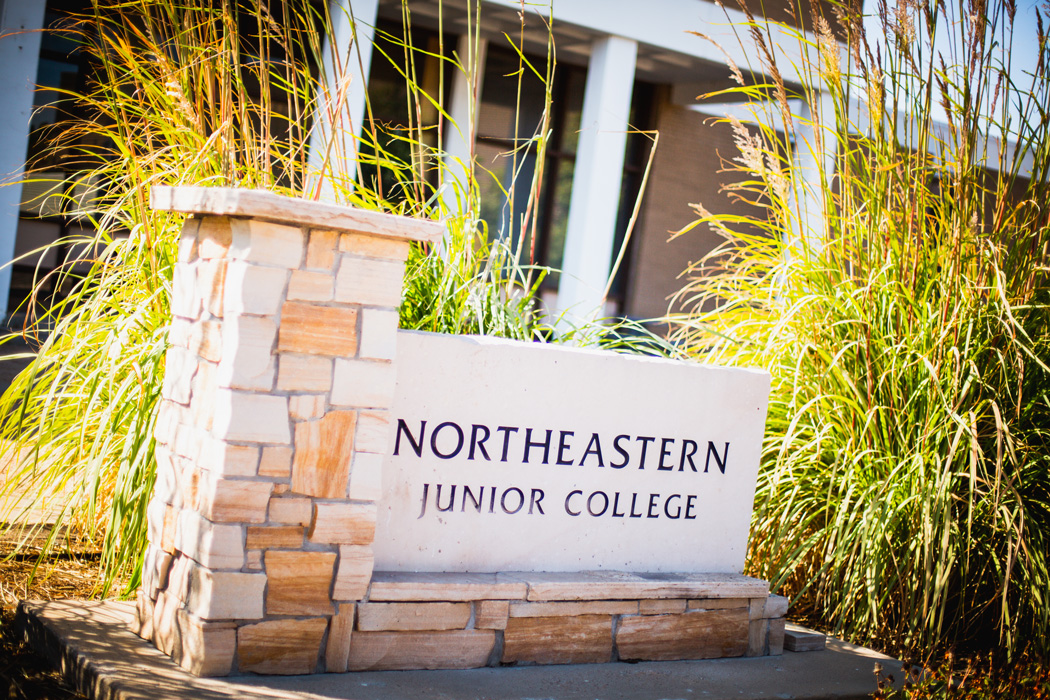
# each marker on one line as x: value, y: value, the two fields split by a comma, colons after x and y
x: 24, y: 675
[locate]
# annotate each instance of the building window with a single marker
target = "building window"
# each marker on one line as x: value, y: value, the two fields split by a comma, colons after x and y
x: 406, y: 126
x: 509, y: 117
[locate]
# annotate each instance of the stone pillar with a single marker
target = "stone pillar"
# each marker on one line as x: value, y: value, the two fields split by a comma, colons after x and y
x: 597, y: 178
x: 271, y: 427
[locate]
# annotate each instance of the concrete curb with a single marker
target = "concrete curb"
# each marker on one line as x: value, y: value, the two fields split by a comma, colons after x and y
x: 90, y: 643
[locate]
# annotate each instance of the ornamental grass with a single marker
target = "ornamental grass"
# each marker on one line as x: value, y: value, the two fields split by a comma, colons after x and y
x: 894, y: 280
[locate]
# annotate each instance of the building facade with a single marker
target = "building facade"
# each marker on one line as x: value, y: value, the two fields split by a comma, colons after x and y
x: 626, y: 71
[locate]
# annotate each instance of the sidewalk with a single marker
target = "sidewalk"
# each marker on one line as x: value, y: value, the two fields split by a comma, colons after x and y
x: 90, y: 641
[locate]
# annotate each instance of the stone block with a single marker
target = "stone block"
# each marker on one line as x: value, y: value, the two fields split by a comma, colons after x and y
x: 310, y: 286
x: 234, y: 500
x: 214, y: 237
x: 247, y: 359
x: 189, y: 440
x: 491, y: 614
x: 775, y: 641
x: 363, y: 383
x: 166, y: 487
x: 298, y: 372
x: 573, y: 608
x: 717, y: 603
x: 184, y: 299
x: 253, y: 560
x: 211, y: 286
x: 343, y: 523
x: 620, y: 585
x: 141, y: 623
x: 366, y: 477
x: 208, y: 648
x: 179, y: 367
x: 291, y: 511
x: 266, y: 243
x: 306, y: 406
x: 323, y: 450
x: 800, y: 639
x: 280, y: 647
x: 392, y: 617
x: 412, y: 586
x: 768, y: 608
x: 585, y: 639
x: 661, y: 607
x: 179, y: 331
x: 299, y: 582
x: 373, y: 246
x: 166, y: 623
x: 188, y: 240
x: 340, y: 631
x: 244, y: 417
x: 225, y: 595
x: 276, y: 462
x: 378, y: 334
x: 212, y: 545
x: 318, y: 330
x: 189, y: 481
x: 373, y: 432
x: 222, y: 201
x: 384, y: 651
x: 354, y: 572
x: 253, y: 289
x: 155, y: 568
x: 712, y: 634
x: 167, y: 422
x: 274, y: 537
x: 320, y: 252
x: 179, y: 577
x: 223, y: 459
x: 369, y: 282
x: 169, y: 528
x: 202, y: 403
x: 206, y: 340
x: 757, y: 636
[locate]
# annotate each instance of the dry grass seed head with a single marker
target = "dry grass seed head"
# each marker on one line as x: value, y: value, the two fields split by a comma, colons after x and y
x: 734, y: 70
x: 828, y: 46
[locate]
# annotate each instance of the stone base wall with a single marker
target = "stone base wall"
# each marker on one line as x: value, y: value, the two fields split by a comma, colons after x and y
x: 450, y: 621
x: 458, y: 621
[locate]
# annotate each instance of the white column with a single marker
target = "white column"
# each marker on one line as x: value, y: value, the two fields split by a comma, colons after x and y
x: 814, y: 169
x: 458, y: 173
x: 347, y: 57
x: 597, y: 177
x: 20, y: 22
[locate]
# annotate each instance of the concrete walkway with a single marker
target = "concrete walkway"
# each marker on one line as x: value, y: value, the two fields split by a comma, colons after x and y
x: 91, y: 643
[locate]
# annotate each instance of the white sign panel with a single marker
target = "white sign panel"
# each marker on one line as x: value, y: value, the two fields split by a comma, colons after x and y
x: 510, y: 456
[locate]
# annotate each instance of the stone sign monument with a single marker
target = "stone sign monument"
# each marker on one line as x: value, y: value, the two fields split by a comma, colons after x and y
x: 334, y: 494
x: 509, y: 456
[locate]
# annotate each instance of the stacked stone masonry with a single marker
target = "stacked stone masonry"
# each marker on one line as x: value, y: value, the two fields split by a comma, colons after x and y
x: 269, y: 445
x: 271, y: 428
x: 449, y: 621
